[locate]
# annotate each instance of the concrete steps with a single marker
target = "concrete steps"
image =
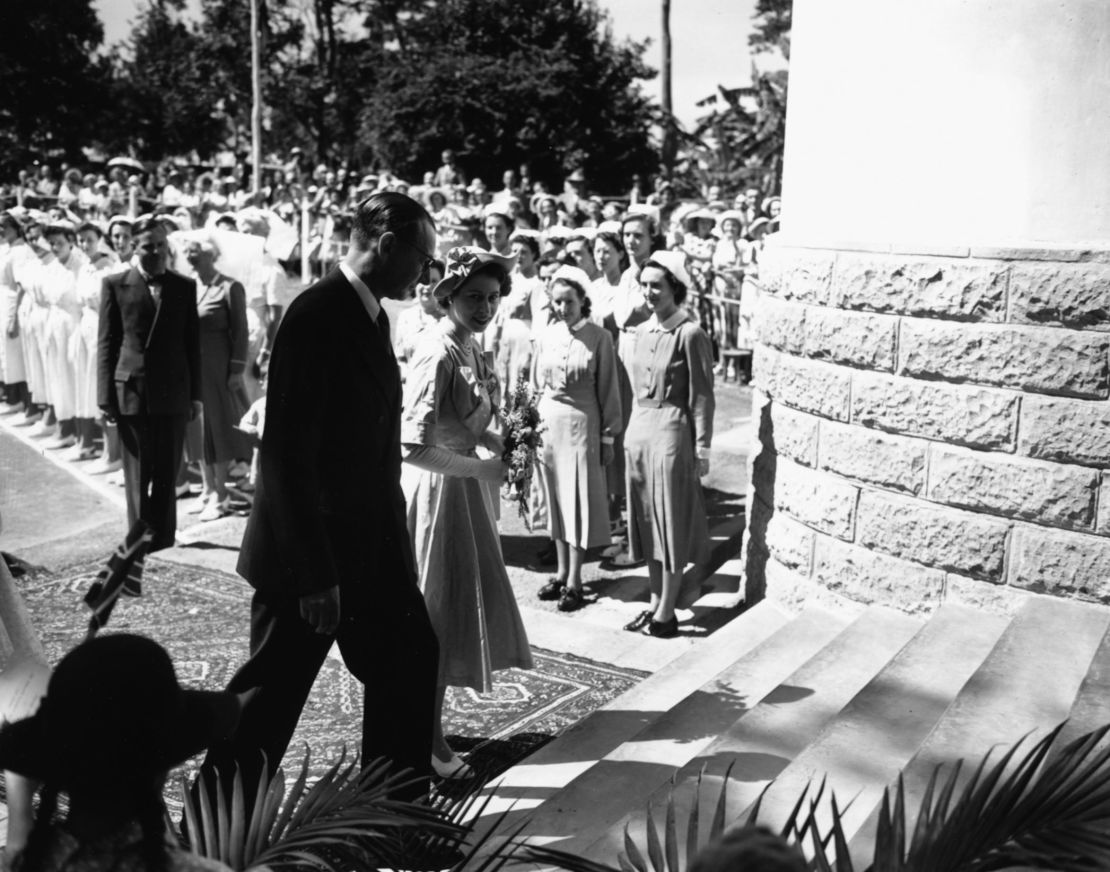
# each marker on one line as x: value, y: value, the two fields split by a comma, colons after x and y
x: 529, y: 784
x: 866, y: 745
x: 786, y: 702
x: 597, y: 798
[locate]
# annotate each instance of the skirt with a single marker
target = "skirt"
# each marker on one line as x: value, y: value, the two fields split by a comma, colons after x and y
x: 462, y: 575
x: 667, y: 519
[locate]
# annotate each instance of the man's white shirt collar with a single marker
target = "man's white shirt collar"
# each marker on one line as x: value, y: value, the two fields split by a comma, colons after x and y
x: 369, y: 301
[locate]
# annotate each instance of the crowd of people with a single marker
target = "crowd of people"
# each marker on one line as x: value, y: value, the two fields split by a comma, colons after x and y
x: 186, y: 335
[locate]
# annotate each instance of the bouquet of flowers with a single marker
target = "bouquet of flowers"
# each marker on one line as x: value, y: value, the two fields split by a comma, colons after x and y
x: 521, y: 419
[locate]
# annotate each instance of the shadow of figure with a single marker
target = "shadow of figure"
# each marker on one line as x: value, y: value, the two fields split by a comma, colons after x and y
x: 761, y: 508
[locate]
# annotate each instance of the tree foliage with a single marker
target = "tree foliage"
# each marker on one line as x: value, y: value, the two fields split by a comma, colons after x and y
x: 511, y: 81
x: 166, y: 95
x: 771, y: 21
x: 53, y: 82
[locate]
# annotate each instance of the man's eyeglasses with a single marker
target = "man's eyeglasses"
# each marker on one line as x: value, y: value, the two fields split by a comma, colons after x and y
x: 428, y: 259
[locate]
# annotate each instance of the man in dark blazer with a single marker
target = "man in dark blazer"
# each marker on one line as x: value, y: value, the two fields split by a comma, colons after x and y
x: 148, y: 375
x: 327, y: 548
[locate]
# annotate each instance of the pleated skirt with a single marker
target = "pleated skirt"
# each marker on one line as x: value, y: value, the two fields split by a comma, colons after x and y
x: 667, y: 518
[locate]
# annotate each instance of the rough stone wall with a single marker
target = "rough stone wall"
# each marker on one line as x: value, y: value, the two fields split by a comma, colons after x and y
x: 931, y: 426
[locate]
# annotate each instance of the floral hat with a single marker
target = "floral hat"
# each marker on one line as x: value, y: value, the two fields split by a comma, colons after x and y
x: 462, y: 262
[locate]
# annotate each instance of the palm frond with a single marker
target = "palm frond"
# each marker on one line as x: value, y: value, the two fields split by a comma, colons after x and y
x: 346, y: 819
x: 1026, y: 807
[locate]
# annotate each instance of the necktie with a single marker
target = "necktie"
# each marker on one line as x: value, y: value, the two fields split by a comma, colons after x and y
x: 383, y: 328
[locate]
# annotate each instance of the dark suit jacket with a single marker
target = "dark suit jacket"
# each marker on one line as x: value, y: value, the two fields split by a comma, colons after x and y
x: 329, y: 504
x: 148, y: 357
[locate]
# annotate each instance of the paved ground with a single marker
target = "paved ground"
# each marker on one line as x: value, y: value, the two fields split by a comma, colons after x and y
x: 54, y: 515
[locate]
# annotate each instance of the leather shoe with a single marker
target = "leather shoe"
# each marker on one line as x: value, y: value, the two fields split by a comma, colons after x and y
x: 552, y: 590
x: 639, y: 622
x: 571, y: 600
x: 661, y: 629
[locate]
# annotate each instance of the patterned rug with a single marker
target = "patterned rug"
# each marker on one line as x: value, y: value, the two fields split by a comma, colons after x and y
x: 202, y: 617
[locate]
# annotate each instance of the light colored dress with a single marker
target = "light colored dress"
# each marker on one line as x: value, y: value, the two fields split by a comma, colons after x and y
x: 450, y: 399
x: 62, y: 321
x: 33, y: 311
x: 576, y: 371
x: 671, y: 426
x: 11, y: 347
x: 83, y: 340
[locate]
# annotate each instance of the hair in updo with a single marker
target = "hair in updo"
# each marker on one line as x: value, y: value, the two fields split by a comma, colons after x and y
x: 491, y: 268
x: 677, y: 287
x: 583, y: 296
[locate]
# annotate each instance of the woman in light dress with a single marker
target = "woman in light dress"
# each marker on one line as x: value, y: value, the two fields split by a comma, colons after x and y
x: 63, y: 319
x: 575, y: 370
x: 13, y: 224
x: 83, y: 340
x: 451, y: 402
x: 668, y: 439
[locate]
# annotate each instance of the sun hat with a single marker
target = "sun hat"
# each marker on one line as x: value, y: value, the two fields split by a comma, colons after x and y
x: 113, y: 712
x: 699, y: 214
x: 672, y: 261
x: 462, y: 262
x: 731, y: 215
x: 758, y: 224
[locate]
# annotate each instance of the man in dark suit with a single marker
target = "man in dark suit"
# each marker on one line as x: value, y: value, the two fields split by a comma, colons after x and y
x: 148, y: 376
x: 327, y: 548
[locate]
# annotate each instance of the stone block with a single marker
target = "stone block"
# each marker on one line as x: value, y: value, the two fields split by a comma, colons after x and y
x: 1072, y: 431
x: 804, y: 275
x: 927, y: 287
x: 780, y: 324
x: 786, y: 586
x: 978, y: 417
x: 939, y: 536
x: 1016, y: 487
x: 1104, y: 505
x: 821, y: 501
x: 1072, y: 295
x: 794, y: 434
x: 855, y: 338
x: 807, y: 385
x: 790, y: 543
x: 1055, y: 562
x: 1001, y: 599
x: 1045, y: 360
x: 872, y: 577
x: 874, y: 457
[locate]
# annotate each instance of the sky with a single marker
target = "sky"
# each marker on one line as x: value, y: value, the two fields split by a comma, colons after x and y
x: 709, y: 42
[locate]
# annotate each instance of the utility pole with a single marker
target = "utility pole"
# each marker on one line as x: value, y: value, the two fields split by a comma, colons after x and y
x: 256, y: 98
x: 670, y: 145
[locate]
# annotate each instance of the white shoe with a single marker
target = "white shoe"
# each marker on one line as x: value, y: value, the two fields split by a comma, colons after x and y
x: 215, y: 509
x: 11, y: 408
x: 116, y: 477
x: 199, y: 504
x: 455, y: 769
x: 59, y: 442
x: 42, y: 429
x: 104, y: 466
